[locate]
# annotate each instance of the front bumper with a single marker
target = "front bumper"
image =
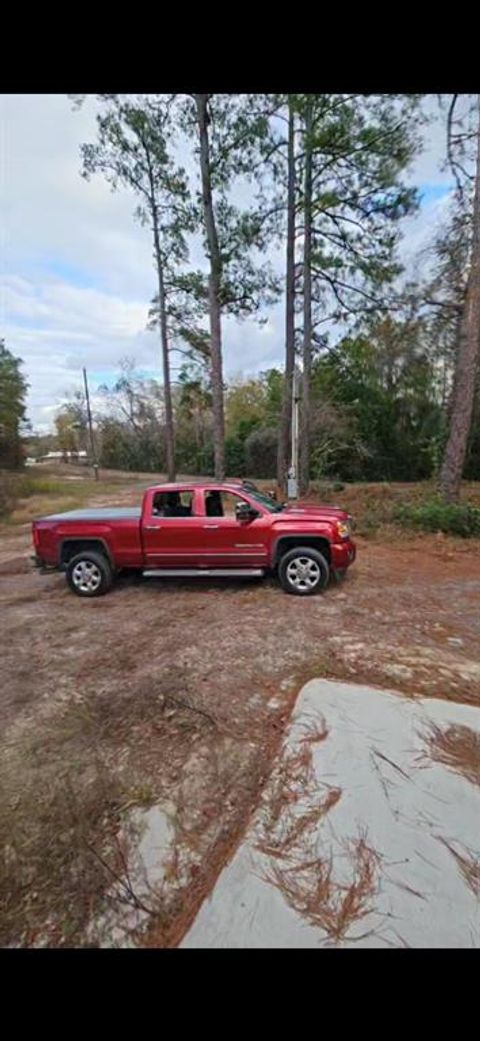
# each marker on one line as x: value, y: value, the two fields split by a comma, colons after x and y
x: 343, y: 554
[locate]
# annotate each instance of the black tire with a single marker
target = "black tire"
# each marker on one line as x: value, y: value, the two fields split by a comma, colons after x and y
x: 97, y: 574
x: 312, y: 577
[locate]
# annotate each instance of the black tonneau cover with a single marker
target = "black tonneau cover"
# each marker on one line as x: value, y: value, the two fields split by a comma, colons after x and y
x: 107, y: 514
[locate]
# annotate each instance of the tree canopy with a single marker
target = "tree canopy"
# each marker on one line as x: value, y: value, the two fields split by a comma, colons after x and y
x: 13, y: 391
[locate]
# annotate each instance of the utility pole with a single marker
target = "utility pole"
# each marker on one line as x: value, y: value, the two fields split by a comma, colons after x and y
x: 90, y: 427
x: 293, y: 472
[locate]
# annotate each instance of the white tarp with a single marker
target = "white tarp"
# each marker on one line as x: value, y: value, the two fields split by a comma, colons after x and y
x: 394, y: 859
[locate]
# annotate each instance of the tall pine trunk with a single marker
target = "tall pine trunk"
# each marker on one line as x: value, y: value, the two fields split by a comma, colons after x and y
x: 167, y: 387
x: 467, y: 361
x: 284, y: 434
x: 162, y: 312
x: 307, y: 308
x: 214, y: 288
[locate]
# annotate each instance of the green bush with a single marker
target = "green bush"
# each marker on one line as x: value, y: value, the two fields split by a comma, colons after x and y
x: 454, y: 519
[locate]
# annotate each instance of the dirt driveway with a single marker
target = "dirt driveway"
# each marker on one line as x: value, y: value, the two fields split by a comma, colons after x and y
x: 176, y: 694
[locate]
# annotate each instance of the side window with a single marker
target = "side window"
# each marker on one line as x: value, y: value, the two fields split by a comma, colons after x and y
x: 229, y: 502
x: 221, y: 504
x: 173, y: 504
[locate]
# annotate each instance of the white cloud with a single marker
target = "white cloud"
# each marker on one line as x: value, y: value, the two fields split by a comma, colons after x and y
x: 428, y: 167
x: 51, y: 213
x: 420, y: 230
x: 77, y: 272
x: 70, y: 308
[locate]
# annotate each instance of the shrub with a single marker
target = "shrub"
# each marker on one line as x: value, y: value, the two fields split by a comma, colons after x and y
x: 460, y: 519
x: 7, y: 493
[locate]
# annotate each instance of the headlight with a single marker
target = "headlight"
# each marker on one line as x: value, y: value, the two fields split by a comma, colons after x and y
x: 344, y: 529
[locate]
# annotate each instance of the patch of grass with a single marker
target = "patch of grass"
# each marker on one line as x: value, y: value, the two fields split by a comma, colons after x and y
x: 394, y: 509
x: 28, y: 485
x: 24, y: 496
x: 49, y: 881
x: 106, y: 719
x: 40, y: 495
x: 65, y: 787
x: 42, y: 506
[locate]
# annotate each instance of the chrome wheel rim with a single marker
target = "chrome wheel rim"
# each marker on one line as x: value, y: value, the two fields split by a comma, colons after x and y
x: 303, y: 573
x: 86, y: 576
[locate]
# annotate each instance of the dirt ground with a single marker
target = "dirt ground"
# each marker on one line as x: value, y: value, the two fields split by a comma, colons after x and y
x: 177, y: 694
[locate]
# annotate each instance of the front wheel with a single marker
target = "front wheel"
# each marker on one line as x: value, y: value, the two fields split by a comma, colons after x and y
x: 89, y: 574
x: 303, y: 571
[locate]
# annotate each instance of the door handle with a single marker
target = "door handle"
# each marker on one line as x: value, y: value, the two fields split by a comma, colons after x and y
x: 151, y: 527
x: 211, y: 526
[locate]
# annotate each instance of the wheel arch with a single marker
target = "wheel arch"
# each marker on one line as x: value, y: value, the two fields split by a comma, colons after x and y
x: 71, y: 545
x: 284, y: 543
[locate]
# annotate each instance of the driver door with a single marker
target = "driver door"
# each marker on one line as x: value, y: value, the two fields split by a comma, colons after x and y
x: 229, y: 542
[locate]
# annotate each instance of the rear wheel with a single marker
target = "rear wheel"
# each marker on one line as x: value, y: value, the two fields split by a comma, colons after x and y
x: 303, y: 571
x: 89, y: 574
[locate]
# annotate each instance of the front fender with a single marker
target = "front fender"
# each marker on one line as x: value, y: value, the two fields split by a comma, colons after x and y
x: 324, y: 533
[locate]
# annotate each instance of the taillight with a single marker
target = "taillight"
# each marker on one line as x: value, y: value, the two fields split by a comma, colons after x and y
x: 36, y: 536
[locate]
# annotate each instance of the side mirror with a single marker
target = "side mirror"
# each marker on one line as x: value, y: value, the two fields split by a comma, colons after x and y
x: 244, y: 512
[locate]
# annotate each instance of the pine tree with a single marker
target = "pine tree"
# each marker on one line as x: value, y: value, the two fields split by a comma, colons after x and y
x: 231, y: 133
x: 461, y: 138
x: 352, y: 151
x: 134, y: 149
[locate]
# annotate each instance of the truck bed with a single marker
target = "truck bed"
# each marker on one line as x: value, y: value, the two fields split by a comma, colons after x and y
x: 106, y: 514
x: 117, y: 528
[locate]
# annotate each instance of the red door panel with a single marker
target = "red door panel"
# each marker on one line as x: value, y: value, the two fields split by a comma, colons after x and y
x: 232, y: 543
x: 170, y: 541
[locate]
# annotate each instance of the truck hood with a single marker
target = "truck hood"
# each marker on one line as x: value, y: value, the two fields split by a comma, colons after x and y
x: 315, y: 512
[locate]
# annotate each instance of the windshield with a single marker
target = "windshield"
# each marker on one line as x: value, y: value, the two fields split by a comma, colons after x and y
x: 266, y: 501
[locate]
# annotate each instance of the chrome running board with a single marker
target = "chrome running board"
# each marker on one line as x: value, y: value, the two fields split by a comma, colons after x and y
x: 204, y: 572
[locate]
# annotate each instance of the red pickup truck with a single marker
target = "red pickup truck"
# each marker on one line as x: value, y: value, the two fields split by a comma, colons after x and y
x: 198, y: 529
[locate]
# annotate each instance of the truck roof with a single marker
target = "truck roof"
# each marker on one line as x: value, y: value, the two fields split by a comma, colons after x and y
x: 173, y: 486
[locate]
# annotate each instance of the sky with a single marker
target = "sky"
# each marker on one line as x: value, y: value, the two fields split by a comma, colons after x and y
x: 76, y: 273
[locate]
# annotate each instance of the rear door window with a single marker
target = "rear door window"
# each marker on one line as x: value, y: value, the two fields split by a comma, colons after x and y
x: 173, y: 504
